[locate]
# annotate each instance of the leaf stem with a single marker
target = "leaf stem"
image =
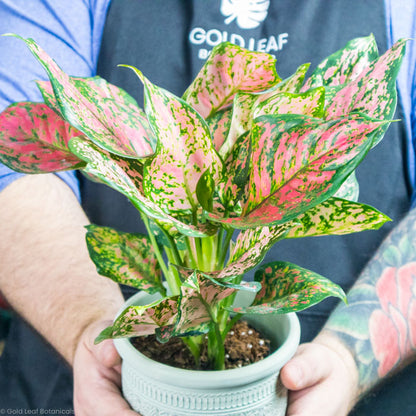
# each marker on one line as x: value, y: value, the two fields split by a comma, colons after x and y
x: 230, y: 324
x: 176, y: 256
x: 216, y: 351
x: 157, y: 252
x: 194, y: 348
x: 225, y: 247
x: 220, y: 238
x: 191, y: 252
x: 175, y: 281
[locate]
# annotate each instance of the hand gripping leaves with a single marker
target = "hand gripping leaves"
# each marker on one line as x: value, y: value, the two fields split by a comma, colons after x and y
x: 241, y: 153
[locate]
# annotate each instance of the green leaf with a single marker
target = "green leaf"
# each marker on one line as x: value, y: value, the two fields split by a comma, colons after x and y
x: 219, y: 125
x: 162, y: 234
x: 126, y: 258
x: 234, y: 180
x: 337, y: 216
x: 228, y: 70
x: 334, y: 216
x: 350, y: 189
x: 205, y: 191
x: 97, y: 109
x: 185, y: 151
x: 141, y: 320
x: 34, y: 139
x: 289, y: 288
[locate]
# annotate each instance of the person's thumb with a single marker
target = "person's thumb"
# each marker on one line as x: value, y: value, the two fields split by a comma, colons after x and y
x: 306, y: 368
x: 105, y: 351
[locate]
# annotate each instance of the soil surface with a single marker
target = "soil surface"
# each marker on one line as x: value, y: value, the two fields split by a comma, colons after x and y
x: 243, y: 345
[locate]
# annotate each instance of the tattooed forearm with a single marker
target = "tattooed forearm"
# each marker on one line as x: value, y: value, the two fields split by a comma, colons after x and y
x: 379, y: 324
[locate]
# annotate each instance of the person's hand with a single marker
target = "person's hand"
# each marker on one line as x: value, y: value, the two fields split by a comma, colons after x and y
x: 97, y: 376
x: 321, y: 379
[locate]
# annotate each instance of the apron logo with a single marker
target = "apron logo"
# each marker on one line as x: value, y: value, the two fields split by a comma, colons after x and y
x: 248, y: 14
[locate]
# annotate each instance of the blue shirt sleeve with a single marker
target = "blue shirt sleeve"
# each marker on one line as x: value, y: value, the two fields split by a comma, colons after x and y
x: 69, y: 31
x: 401, y: 23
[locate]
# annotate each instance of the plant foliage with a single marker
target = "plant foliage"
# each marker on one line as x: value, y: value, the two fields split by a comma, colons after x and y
x: 241, y: 152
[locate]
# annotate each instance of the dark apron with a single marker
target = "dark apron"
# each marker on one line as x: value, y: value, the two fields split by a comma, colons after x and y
x: 167, y: 41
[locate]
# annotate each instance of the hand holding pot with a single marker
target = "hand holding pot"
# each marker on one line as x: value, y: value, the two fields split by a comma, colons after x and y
x: 97, y: 377
x: 322, y: 379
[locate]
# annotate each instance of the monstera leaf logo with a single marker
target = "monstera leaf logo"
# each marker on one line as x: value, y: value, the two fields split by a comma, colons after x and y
x: 247, y: 13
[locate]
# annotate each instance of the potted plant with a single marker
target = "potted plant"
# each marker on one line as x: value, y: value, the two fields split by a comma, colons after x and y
x: 242, y: 160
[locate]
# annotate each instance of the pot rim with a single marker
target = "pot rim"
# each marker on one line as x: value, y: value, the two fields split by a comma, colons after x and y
x: 211, y: 378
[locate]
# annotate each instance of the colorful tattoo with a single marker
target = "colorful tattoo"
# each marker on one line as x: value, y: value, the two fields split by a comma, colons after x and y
x: 379, y: 324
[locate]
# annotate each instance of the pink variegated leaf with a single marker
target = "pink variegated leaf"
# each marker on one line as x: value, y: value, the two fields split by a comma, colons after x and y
x: 104, y: 90
x: 345, y: 65
x: 206, y: 284
x: 303, y: 158
x: 219, y: 125
x: 373, y: 92
x: 228, y: 70
x: 310, y: 103
x: 96, y: 110
x: 330, y: 93
x: 185, y: 150
x: 116, y: 172
x: 34, y: 139
x: 247, y: 106
x: 289, y: 288
x: 199, y: 292
x: 337, y: 216
x: 45, y: 87
x: 212, y: 291
x: 250, y: 248
x: 298, y: 162
x: 126, y: 258
x: 141, y: 320
x: 193, y: 317
x: 291, y: 84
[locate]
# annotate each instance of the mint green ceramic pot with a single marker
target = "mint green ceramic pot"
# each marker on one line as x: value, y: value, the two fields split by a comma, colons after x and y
x: 155, y: 389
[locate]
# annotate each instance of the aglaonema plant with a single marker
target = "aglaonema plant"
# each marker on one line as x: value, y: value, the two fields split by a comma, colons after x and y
x: 241, y: 161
